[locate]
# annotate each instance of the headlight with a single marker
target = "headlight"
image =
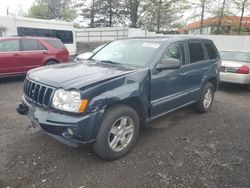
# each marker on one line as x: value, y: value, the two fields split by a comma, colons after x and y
x: 68, y: 101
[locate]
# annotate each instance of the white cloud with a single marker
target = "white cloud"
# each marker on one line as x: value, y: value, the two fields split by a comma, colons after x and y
x: 15, y: 6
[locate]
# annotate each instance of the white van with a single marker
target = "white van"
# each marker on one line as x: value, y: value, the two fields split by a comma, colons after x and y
x: 22, y: 26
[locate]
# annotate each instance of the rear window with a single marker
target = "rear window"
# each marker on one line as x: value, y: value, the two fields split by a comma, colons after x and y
x: 235, y: 56
x: 55, y: 43
x: 196, y: 52
x: 211, y: 51
x: 31, y: 45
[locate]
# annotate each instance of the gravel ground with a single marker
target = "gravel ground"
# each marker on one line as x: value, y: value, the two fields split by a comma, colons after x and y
x: 183, y: 149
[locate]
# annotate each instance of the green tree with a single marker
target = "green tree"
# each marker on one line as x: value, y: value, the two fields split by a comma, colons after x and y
x: 53, y: 9
x: 242, y: 5
x: 103, y: 13
x: 220, y: 11
x: 163, y: 15
x: 38, y: 11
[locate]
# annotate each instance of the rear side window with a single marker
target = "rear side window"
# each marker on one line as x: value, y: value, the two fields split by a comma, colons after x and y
x: 211, y: 51
x: 31, y: 45
x: 9, y: 45
x: 55, y: 43
x: 196, y: 52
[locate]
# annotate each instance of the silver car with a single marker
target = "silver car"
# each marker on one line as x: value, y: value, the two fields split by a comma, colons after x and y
x: 235, y: 67
x: 87, y: 55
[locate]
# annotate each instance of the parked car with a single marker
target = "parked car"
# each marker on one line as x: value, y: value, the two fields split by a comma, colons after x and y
x: 20, y: 54
x: 235, y: 67
x: 86, y: 55
x: 128, y: 83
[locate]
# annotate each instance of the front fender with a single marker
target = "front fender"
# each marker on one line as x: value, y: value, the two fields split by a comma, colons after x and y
x: 131, y: 86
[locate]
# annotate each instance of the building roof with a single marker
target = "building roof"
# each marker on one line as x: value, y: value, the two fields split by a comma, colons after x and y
x: 226, y: 21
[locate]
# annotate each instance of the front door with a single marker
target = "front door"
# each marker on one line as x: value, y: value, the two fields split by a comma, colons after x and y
x: 10, y: 58
x: 169, y: 88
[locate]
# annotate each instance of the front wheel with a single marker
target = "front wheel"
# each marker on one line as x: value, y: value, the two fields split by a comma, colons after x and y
x: 206, y: 99
x: 118, y: 132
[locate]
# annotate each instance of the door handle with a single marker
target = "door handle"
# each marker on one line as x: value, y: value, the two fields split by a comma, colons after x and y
x: 45, y: 52
x: 16, y: 54
x: 205, y: 68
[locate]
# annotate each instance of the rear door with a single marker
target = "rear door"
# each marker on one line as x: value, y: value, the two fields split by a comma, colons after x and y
x: 33, y: 53
x: 198, y: 65
x: 169, y: 88
x: 10, y: 58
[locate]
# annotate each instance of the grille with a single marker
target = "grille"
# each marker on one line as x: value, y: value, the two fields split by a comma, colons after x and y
x: 37, y: 93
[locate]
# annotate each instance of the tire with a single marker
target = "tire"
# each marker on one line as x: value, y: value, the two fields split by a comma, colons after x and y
x: 51, y: 62
x: 202, y: 106
x: 106, y: 139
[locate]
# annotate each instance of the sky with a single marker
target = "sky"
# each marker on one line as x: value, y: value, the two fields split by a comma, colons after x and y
x: 14, y: 6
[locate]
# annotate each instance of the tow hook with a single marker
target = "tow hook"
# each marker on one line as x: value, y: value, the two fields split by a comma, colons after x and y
x: 22, y: 109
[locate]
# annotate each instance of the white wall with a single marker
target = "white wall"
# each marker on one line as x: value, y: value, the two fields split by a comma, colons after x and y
x: 101, y: 34
x: 110, y: 33
x: 223, y: 42
x: 230, y: 42
x: 226, y: 42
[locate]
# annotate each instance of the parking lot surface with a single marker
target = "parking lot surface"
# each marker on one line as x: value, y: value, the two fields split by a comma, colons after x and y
x: 182, y: 149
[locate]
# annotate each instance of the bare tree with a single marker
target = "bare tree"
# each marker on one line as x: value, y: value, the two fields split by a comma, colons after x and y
x: 221, y: 15
x: 133, y: 10
x: 163, y: 14
x: 242, y: 5
x: 202, y: 6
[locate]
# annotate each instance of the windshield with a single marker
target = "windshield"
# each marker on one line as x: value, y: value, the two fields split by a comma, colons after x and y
x: 236, y: 56
x: 136, y: 53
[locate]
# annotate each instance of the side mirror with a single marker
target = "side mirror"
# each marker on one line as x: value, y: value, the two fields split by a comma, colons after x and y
x: 168, y: 63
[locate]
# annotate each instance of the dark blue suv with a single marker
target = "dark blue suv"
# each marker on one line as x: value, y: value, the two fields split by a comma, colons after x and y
x: 107, y: 98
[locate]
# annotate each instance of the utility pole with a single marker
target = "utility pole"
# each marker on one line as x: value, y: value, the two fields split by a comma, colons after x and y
x: 92, y: 14
x: 159, y: 16
x: 202, y: 15
x: 110, y: 13
x: 7, y: 10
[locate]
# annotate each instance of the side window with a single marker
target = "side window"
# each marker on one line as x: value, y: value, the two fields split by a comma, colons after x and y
x: 175, y: 51
x: 9, y: 46
x: 211, y: 51
x: 41, y: 46
x: 31, y: 45
x: 64, y: 35
x: 196, y: 52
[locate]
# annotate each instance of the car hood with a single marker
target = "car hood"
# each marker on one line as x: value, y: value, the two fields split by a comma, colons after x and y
x: 77, y: 75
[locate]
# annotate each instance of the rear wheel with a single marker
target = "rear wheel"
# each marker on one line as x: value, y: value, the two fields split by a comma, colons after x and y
x: 118, y: 132
x: 51, y: 62
x: 206, y: 99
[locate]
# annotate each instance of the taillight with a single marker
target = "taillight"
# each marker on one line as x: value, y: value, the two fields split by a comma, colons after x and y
x: 243, y: 70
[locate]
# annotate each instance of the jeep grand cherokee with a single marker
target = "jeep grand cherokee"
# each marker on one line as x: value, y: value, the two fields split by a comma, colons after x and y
x: 105, y: 99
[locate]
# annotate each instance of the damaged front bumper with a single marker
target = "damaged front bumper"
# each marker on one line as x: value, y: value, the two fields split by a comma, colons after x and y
x: 68, y: 129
